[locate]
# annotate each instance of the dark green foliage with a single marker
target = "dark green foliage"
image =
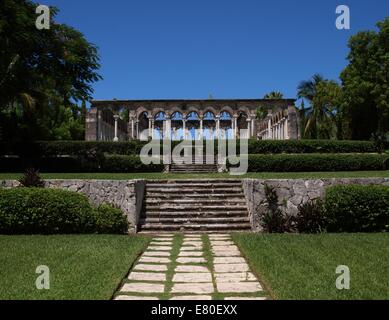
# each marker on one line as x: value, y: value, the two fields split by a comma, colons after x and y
x: 310, y: 217
x: 273, y: 220
x: 110, y: 220
x: 357, y: 208
x: 109, y: 163
x: 44, y: 211
x: 310, y: 146
x: 120, y: 163
x: 52, y: 211
x: 317, y: 162
x: 60, y: 148
x: 31, y: 178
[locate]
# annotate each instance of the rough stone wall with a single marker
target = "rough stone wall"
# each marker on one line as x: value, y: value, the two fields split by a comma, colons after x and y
x: 292, y: 193
x: 125, y: 194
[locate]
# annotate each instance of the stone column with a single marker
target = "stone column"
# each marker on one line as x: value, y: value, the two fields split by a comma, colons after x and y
x: 201, y: 128
x: 184, y: 129
x: 235, y: 132
x: 137, y: 130
x: 151, y: 124
x: 132, y: 128
x: 248, y: 128
x: 116, y: 118
x: 168, y: 127
x: 152, y: 129
x: 217, y: 127
x: 253, y: 128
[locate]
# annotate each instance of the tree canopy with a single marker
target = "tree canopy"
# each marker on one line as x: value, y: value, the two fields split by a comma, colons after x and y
x: 43, y: 73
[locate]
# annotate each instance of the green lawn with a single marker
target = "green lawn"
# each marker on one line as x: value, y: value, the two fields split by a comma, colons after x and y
x: 261, y: 175
x: 303, y: 266
x: 81, y: 266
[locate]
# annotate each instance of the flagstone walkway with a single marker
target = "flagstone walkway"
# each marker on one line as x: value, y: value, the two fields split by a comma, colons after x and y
x: 191, y: 267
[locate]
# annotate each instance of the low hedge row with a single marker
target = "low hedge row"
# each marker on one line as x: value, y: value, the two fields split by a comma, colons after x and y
x: 108, y: 163
x: 77, y: 148
x: 317, y: 162
x: 50, y: 211
x: 357, y: 208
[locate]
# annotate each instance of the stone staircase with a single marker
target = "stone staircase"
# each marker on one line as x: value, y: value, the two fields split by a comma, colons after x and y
x: 202, y: 165
x: 194, y: 206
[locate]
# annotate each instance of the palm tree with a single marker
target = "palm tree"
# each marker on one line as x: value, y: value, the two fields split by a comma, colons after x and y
x: 307, y: 90
x: 274, y: 95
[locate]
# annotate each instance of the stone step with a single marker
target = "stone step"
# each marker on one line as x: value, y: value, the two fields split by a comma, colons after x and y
x: 195, y: 185
x: 191, y: 220
x: 171, y: 214
x: 192, y: 207
x: 197, y: 196
x: 222, y: 201
x: 196, y: 181
x: 196, y: 227
x: 197, y: 190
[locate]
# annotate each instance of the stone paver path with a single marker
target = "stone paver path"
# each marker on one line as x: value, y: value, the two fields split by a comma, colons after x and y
x: 191, y: 267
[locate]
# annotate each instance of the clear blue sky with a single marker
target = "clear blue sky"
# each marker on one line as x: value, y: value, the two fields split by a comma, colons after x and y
x: 230, y: 49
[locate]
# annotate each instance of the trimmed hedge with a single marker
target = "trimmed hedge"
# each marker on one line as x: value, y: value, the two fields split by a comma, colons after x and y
x: 317, y: 162
x: 357, y: 208
x: 109, y: 163
x: 110, y: 220
x: 52, y: 211
x: 80, y: 148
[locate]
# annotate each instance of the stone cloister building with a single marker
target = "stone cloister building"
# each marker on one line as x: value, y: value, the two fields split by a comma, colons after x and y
x: 121, y: 120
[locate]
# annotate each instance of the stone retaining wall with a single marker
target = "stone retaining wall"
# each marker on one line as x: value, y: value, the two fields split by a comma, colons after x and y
x: 292, y: 193
x: 125, y: 194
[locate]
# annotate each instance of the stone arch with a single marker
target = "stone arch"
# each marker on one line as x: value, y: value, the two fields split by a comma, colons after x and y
x: 209, y: 109
x: 142, y: 130
x: 192, y: 109
x: 141, y: 110
x: 177, y: 126
x: 227, y: 109
x: 226, y: 119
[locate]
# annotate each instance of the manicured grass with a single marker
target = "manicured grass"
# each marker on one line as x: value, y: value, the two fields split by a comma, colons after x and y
x: 81, y: 266
x: 261, y: 175
x: 303, y: 266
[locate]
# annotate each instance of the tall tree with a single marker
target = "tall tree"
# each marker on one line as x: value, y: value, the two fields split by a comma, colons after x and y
x: 41, y: 71
x: 366, y: 82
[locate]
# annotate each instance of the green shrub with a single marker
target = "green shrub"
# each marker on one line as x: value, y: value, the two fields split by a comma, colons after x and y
x: 108, y: 163
x: 311, y: 217
x: 120, y: 163
x: 110, y: 220
x: 357, y: 208
x: 310, y: 146
x: 42, y: 149
x: 44, y: 211
x: 52, y: 211
x: 317, y: 162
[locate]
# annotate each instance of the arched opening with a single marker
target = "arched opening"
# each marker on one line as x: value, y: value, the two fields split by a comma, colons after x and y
x: 209, y: 126
x: 242, y: 124
x: 159, y: 121
x: 143, y: 126
x: 226, y: 126
x: 192, y: 126
x: 177, y: 126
